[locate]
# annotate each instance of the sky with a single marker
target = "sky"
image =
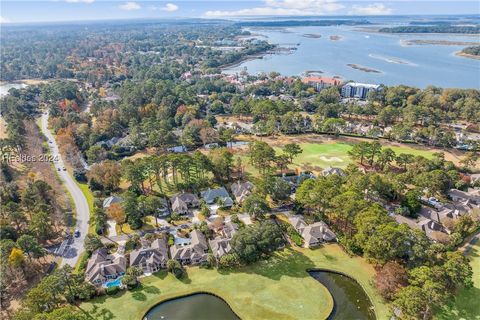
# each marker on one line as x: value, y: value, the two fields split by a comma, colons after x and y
x: 22, y: 11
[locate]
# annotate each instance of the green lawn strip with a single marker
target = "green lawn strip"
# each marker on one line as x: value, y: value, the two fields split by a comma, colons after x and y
x: 81, y: 260
x: 278, y: 288
x: 466, y: 303
x: 90, y: 200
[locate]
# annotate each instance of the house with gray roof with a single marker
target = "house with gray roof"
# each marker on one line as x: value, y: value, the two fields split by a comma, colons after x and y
x: 151, y: 257
x: 107, y: 202
x: 182, y: 202
x: 229, y: 229
x: 241, y: 190
x: 313, y: 234
x: 220, y: 247
x: 296, y: 179
x: 331, y: 170
x: 102, y: 267
x: 472, y: 195
x: 221, y: 244
x: 433, y: 230
x: 474, y: 178
x: 211, y: 196
x: 193, y: 253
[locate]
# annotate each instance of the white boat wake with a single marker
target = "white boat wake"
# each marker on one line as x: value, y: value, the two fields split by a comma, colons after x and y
x: 392, y: 60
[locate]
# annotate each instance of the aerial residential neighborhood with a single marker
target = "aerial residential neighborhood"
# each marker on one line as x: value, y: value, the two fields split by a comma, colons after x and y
x: 260, y: 160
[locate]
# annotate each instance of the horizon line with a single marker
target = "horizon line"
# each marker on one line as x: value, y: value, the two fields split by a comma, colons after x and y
x: 232, y: 18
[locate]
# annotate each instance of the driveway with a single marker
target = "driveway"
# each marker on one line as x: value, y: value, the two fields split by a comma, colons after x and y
x: 75, y: 248
x: 112, y: 230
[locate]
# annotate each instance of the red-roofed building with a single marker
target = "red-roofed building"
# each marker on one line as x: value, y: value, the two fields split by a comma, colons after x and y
x: 320, y: 83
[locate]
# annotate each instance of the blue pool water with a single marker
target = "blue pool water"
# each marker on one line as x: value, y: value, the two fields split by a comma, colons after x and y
x: 114, y: 283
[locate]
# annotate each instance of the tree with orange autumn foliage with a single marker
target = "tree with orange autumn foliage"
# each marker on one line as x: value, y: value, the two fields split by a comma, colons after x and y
x: 116, y: 212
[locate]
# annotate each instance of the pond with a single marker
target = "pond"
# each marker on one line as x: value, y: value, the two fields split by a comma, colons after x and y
x: 350, y: 300
x: 199, y: 306
x: 4, y: 87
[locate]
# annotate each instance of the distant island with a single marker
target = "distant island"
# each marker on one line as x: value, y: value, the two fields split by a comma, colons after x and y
x: 472, y: 52
x: 335, y: 38
x: 438, y: 42
x: 312, y: 35
x: 433, y: 29
x: 302, y: 23
x: 363, y: 68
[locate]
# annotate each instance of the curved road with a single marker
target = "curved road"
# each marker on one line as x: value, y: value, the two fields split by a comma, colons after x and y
x: 75, y: 248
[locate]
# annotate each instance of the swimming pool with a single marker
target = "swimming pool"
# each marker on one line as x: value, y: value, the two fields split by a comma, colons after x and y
x: 113, y: 283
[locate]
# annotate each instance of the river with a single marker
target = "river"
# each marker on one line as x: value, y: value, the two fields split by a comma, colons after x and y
x: 397, y: 62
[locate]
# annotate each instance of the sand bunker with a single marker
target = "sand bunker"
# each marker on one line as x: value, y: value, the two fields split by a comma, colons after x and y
x: 330, y: 159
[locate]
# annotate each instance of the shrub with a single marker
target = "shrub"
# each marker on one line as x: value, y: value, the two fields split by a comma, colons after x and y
x: 83, y: 262
x: 230, y: 260
x: 112, y: 290
x: 294, y: 236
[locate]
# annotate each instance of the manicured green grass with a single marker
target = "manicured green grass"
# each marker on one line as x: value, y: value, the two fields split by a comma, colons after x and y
x: 278, y: 288
x: 148, y: 224
x: 90, y: 199
x: 466, y: 305
x: 318, y: 156
x: 322, y: 155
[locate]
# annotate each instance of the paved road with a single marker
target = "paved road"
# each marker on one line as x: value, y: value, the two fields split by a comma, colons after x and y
x: 75, y: 248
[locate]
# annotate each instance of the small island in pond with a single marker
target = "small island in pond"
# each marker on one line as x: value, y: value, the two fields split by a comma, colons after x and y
x: 472, y: 52
x: 335, y: 38
x: 363, y: 68
x: 312, y: 35
x: 312, y: 72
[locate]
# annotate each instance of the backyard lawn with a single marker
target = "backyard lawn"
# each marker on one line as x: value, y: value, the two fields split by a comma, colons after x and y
x: 279, y: 288
x: 466, y: 304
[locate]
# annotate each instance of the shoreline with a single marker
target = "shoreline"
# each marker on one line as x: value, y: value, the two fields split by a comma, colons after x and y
x: 421, y: 42
x: 336, y: 38
x: 312, y: 35
x: 377, y: 30
x: 28, y: 82
x: 243, y: 60
x: 363, y: 68
x: 467, y: 55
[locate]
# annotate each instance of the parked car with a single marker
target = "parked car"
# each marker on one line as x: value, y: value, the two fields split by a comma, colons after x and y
x: 77, y: 233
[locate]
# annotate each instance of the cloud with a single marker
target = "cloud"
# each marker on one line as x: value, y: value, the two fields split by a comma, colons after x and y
x: 284, y: 8
x: 169, y: 7
x: 79, y: 1
x: 4, y: 20
x: 128, y: 6
x: 370, y: 10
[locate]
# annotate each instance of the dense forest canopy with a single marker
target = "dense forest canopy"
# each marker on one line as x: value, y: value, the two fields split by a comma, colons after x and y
x: 111, y: 52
